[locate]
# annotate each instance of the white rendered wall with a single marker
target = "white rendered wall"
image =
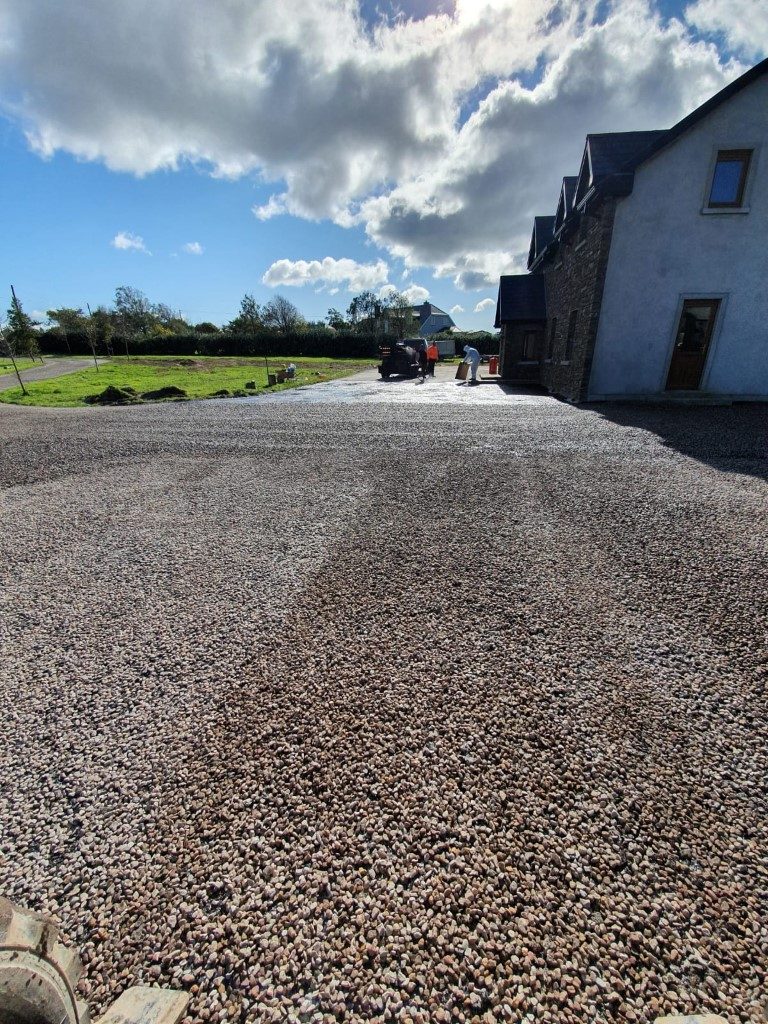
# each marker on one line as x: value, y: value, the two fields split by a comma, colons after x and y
x: 664, y: 249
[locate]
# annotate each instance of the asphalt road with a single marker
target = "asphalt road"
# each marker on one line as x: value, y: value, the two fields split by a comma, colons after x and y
x: 390, y: 709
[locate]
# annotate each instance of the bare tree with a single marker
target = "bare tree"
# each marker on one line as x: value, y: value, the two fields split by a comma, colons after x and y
x: 281, y: 315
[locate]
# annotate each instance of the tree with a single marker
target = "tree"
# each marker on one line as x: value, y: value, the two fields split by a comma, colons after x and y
x: 100, y: 329
x: 21, y: 330
x: 364, y: 312
x: 206, y: 327
x: 281, y: 315
x: 67, y: 320
x: 398, y: 313
x: 171, y: 321
x: 336, y: 320
x: 7, y: 349
x: 248, y: 320
x: 133, y: 311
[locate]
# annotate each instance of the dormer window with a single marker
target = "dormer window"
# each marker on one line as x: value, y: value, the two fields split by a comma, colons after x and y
x: 729, y: 179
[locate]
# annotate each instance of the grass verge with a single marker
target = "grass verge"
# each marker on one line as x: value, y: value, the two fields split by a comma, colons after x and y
x: 199, y: 376
x: 6, y: 366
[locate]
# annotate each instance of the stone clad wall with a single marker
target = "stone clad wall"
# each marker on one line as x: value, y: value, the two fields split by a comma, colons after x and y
x: 512, y: 367
x: 576, y: 283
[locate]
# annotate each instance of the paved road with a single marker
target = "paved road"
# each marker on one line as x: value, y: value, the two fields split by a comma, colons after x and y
x: 52, y: 368
x: 391, y: 710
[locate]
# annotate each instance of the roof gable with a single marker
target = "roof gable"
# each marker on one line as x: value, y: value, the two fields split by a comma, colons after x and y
x: 543, y: 230
x: 521, y: 297
x: 608, y: 154
x: 565, y: 202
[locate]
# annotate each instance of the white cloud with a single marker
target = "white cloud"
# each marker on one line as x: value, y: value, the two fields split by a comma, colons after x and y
x: 469, y: 215
x: 457, y: 308
x: 193, y: 248
x: 484, y: 304
x: 365, y: 125
x: 744, y: 23
x: 416, y: 294
x: 346, y: 273
x: 126, y: 240
x: 275, y: 206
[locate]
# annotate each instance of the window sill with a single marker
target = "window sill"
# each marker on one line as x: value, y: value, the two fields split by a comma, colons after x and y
x: 714, y: 211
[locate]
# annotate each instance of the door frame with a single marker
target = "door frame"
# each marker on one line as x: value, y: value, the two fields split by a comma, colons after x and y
x: 714, y: 339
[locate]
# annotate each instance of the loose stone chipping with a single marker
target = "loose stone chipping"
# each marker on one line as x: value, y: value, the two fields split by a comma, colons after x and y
x: 391, y: 712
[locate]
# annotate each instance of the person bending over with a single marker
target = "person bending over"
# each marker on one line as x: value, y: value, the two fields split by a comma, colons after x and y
x: 472, y: 356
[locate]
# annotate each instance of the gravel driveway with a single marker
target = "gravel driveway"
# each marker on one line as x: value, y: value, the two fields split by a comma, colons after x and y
x: 377, y: 711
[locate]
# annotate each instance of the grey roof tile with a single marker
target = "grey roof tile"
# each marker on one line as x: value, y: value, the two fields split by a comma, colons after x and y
x: 521, y: 297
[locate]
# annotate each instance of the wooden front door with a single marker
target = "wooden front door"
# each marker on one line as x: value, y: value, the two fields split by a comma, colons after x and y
x: 694, y: 333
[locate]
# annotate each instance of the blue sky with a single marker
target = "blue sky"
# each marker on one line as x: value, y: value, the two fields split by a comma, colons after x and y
x: 407, y: 151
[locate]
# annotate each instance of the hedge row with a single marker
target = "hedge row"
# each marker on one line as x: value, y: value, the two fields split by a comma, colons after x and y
x: 307, y: 343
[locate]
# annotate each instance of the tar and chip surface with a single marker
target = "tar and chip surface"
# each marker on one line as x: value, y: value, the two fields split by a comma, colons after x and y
x: 391, y: 711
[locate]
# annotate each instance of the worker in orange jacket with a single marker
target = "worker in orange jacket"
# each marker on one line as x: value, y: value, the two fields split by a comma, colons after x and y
x: 433, y: 354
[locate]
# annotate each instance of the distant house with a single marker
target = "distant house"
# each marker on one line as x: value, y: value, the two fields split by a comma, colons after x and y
x: 650, y: 279
x: 431, y: 319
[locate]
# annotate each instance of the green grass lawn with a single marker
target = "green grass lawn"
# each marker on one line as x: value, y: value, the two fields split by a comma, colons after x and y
x: 199, y: 376
x: 6, y: 366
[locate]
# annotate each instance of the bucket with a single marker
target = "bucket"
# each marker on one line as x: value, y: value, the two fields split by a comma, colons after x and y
x: 493, y: 364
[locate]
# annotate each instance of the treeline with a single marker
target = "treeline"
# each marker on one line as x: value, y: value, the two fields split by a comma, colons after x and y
x: 135, y: 326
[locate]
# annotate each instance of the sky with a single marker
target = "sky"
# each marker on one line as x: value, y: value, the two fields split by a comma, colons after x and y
x: 315, y: 148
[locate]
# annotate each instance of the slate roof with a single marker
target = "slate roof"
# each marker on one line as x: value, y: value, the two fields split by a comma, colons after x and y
x: 521, y: 297
x: 426, y: 309
x: 543, y: 231
x: 608, y: 155
x: 565, y: 202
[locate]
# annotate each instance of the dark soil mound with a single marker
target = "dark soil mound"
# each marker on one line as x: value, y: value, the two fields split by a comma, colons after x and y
x: 171, y: 391
x: 220, y: 394
x: 112, y: 396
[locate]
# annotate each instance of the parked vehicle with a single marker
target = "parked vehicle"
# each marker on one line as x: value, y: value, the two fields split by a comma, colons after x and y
x: 399, y: 357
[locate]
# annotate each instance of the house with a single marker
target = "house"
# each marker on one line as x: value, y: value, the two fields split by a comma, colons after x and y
x: 651, y: 279
x: 431, y: 319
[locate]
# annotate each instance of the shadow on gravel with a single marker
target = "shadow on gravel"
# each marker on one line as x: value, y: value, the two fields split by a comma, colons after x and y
x: 733, y: 438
